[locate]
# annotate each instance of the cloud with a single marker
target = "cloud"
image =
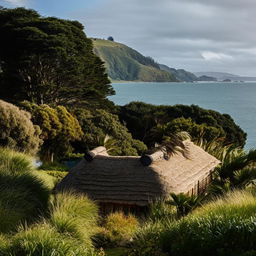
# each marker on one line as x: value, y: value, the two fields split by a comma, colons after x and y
x: 198, y: 35
x: 209, y: 56
x: 16, y: 2
x: 181, y: 33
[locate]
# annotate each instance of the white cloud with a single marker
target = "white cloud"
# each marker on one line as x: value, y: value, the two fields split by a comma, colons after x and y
x: 16, y: 2
x: 209, y: 56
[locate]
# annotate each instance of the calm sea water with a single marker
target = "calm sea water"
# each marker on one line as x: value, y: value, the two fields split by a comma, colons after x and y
x: 235, y: 99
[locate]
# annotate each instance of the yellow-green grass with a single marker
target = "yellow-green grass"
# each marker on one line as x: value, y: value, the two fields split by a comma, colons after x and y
x: 117, y: 230
x: 125, y: 63
x: 47, y: 179
x: 23, y: 198
x: 119, y: 251
x: 226, y: 226
x: 74, y: 215
x: 43, y: 240
x: 14, y: 162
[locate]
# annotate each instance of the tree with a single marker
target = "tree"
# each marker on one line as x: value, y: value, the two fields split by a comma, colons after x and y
x: 49, y: 61
x: 196, y: 131
x: 16, y: 129
x: 143, y: 120
x: 96, y: 125
x: 59, y: 129
x: 110, y: 38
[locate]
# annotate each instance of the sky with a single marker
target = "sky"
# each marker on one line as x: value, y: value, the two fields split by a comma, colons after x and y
x: 196, y: 35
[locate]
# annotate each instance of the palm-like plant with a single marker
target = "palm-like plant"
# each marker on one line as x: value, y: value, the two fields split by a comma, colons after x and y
x: 237, y: 170
x: 108, y: 142
x: 184, y: 203
x: 174, y: 143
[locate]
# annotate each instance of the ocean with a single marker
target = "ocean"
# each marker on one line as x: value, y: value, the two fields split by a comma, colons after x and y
x: 235, y: 99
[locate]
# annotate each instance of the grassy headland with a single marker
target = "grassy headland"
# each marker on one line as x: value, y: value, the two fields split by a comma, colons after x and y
x: 124, y: 63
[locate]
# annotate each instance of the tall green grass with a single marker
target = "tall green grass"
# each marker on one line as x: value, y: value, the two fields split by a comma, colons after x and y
x: 23, y: 197
x: 14, y: 162
x: 43, y: 240
x: 160, y: 211
x: 224, y: 227
x: 146, y: 240
x: 49, y: 180
x: 33, y: 227
x: 118, y: 229
x: 74, y: 215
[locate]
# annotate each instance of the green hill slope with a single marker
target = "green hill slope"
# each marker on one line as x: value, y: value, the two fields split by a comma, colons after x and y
x: 124, y: 63
x: 180, y: 74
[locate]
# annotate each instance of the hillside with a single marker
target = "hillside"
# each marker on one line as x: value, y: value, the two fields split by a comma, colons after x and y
x: 227, y: 76
x: 180, y: 74
x: 219, y: 75
x: 124, y: 63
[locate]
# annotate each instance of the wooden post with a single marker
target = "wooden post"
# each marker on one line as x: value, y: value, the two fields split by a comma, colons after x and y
x: 147, y: 160
x: 89, y: 156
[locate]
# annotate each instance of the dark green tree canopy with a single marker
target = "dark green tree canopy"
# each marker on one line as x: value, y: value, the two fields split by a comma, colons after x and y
x: 98, y: 124
x: 148, y: 122
x: 48, y: 61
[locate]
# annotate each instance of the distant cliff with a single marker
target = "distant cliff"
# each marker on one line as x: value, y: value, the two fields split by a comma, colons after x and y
x: 180, y: 74
x: 124, y: 63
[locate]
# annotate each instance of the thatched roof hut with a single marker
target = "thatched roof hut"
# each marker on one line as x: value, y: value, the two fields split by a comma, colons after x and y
x: 124, y: 180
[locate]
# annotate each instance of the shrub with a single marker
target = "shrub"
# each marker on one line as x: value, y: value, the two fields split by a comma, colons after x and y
x: 118, y: 229
x: 55, y: 166
x: 59, y: 127
x: 224, y: 227
x: 16, y: 129
x: 58, y: 175
x: 49, y: 180
x: 146, y: 240
x: 4, y: 243
x: 160, y: 211
x: 42, y: 239
x: 23, y: 197
x: 14, y: 162
x: 74, y: 215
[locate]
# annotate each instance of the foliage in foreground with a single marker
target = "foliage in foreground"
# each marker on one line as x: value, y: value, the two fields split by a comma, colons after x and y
x: 226, y: 226
x: 65, y: 231
x: 42, y: 239
x: 74, y: 215
x: 118, y: 230
x: 14, y: 162
x: 237, y: 171
x: 23, y: 197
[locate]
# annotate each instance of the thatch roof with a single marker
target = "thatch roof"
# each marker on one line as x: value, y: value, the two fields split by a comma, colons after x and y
x: 124, y: 180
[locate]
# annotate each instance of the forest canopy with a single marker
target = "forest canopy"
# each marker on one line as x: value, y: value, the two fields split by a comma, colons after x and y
x: 150, y: 123
x: 47, y: 60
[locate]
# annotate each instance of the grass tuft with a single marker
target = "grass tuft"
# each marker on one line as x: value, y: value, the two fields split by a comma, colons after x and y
x: 74, y: 215
x: 23, y: 197
x: 14, y: 162
x: 42, y: 239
